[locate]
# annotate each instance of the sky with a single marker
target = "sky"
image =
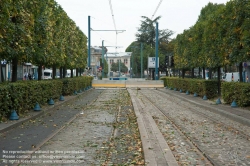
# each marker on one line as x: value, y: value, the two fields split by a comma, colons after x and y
x: 176, y: 15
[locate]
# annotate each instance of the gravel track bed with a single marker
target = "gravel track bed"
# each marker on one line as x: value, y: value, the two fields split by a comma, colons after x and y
x: 223, y: 145
x: 182, y: 150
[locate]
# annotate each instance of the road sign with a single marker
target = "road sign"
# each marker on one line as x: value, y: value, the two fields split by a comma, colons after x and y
x: 151, y: 62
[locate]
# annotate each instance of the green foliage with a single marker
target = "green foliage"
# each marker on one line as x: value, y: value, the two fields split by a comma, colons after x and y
x: 201, y: 87
x: 146, y: 33
x: 23, y: 95
x: 240, y: 92
x: 145, y: 45
x: 220, y: 37
x: 40, y: 32
x: 115, y: 67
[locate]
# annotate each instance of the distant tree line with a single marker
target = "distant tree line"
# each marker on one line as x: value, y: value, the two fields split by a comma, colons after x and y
x: 40, y: 32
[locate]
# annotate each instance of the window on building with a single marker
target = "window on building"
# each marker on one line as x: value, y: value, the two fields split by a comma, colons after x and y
x: 125, y: 61
x: 92, y: 59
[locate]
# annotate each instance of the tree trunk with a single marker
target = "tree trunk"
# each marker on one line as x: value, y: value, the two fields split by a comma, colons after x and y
x: 40, y: 69
x: 71, y: 73
x: 240, y: 72
x: 219, y: 81
x: 210, y: 73
x: 61, y: 72
x: 53, y: 72
x: 64, y: 72
x: 192, y: 74
x: 183, y: 73
x: 203, y: 70
x: 77, y: 72
x: 199, y: 74
x: 14, y: 69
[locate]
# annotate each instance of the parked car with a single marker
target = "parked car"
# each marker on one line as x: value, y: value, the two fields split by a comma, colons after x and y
x: 47, y: 74
x: 229, y: 77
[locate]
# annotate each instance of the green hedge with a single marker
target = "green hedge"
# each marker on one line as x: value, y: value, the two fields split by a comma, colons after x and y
x: 199, y: 86
x: 23, y: 95
x: 240, y: 92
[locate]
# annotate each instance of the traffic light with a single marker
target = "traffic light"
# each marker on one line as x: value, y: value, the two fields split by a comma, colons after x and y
x: 171, y: 61
x: 166, y: 60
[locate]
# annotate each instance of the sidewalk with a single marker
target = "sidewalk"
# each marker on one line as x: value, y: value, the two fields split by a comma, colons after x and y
x: 31, y: 115
x: 238, y: 114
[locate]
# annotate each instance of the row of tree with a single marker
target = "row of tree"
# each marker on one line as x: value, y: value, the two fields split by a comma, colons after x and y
x: 219, y: 38
x: 40, y: 32
x: 144, y: 46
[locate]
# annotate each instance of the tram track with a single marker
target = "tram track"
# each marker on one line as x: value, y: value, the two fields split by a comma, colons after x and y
x: 192, y: 140
x: 196, y: 110
x: 207, y: 161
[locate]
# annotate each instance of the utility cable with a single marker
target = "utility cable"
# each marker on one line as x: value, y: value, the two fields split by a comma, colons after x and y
x: 156, y: 9
x: 113, y: 17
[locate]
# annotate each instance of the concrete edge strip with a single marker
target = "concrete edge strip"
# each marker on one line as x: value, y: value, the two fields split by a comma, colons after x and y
x: 149, y: 160
x: 239, y: 119
x: 170, y: 159
x: 40, y: 113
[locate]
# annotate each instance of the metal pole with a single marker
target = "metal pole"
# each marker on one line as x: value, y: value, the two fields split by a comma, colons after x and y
x: 119, y: 67
x: 141, y: 60
x: 102, y: 59
x: 131, y: 65
x: 156, y: 52
x: 89, y: 51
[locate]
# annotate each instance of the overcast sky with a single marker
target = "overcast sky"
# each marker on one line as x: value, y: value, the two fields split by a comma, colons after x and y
x: 177, y: 15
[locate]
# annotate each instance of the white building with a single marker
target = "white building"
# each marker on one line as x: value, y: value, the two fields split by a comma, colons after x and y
x: 124, y: 57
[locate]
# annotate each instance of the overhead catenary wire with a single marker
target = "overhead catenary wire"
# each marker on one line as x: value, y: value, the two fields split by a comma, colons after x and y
x: 112, y: 13
x: 156, y: 9
x: 113, y: 17
x: 103, y: 38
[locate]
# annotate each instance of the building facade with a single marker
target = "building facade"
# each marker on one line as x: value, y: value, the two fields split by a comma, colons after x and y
x: 124, y: 57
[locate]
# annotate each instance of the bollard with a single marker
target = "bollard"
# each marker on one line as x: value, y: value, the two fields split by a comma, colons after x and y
x: 180, y: 91
x: 204, y: 97
x: 51, y: 102
x: 195, y: 95
x: 13, y: 115
x: 61, y: 98
x: 218, y: 101
x: 37, y: 107
x: 75, y: 92
x: 234, y: 104
x: 187, y: 92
